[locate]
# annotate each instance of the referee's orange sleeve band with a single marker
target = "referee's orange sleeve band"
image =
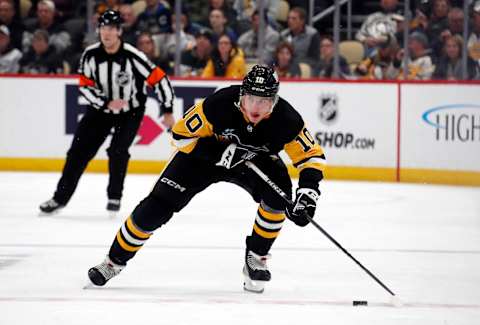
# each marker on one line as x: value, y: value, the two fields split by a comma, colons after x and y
x: 155, y: 76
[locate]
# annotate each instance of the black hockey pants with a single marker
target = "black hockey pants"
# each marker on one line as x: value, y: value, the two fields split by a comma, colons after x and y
x: 91, y: 132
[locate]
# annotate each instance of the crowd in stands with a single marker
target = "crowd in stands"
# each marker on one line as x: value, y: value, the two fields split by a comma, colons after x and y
x: 220, y: 38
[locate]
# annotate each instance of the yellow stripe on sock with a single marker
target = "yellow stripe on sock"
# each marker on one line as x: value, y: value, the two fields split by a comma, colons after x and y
x: 137, y: 232
x: 264, y: 233
x: 271, y: 216
x: 125, y: 246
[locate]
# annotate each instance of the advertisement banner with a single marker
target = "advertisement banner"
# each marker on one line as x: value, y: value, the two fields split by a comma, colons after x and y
x: 440, y: 127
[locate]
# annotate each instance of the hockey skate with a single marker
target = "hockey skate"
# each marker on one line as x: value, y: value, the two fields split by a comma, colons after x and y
x: 103, y: 272
x: 50, y: 207
x: 113, y: 206
x: 255, y: 272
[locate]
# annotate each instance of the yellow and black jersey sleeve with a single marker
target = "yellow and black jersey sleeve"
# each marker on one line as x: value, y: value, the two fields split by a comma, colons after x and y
x: 193, y: 126
x: 305, y: 153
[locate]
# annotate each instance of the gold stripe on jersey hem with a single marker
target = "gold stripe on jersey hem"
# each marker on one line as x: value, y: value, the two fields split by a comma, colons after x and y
x: 312, y: 165
x: 137, y: 231
x: 271, y: 216
x: 264, y: 233
x: 126, y: 246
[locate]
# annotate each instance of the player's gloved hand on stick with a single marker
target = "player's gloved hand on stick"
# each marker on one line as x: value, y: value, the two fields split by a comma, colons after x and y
x: 305, y: 202
x: 234, y: 155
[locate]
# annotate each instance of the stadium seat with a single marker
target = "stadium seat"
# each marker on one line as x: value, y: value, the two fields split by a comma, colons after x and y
x: 353, y: 51
x: 282, y: 11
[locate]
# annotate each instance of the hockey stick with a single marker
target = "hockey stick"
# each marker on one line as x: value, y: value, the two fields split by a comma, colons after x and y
x: 280, y: 192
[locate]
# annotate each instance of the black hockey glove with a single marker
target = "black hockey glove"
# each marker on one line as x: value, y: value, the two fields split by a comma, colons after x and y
x: 305, y: 202
x: 234, y: 155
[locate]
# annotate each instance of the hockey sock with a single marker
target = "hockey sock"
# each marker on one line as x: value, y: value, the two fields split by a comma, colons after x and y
x: 266, y: 229
x: 129, y: 239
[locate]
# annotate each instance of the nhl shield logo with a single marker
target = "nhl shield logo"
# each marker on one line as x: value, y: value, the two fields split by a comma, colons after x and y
x: 328, y: 108
x: 122, y: 78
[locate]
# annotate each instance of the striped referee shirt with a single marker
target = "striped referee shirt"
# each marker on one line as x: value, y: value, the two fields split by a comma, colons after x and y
x: 122, y: 75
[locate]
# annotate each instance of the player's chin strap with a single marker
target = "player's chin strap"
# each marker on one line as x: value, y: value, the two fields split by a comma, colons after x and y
x: 287, y: 199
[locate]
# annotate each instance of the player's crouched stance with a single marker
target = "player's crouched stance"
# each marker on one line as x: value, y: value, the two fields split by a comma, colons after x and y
x: 214, y: 139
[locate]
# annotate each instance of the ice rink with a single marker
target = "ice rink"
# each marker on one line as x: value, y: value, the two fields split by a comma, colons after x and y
x: 422, y: 241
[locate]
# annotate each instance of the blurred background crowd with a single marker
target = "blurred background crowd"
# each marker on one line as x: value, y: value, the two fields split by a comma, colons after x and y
x: 377, y: 39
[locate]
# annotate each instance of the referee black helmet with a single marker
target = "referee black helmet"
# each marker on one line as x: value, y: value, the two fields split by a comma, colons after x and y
x: 110, y: 18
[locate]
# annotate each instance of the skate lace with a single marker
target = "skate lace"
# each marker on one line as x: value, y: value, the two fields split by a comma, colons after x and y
x: 257, y: 262
x: 108, y: 270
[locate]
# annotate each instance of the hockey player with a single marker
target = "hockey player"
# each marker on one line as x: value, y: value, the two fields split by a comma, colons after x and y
x: 214, y: 139
x: 113, y: 75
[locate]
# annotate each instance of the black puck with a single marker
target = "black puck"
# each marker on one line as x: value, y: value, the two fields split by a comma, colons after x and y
x: 360, y: 303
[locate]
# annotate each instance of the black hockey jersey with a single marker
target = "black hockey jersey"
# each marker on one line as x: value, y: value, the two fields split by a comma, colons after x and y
x: 218, y: 120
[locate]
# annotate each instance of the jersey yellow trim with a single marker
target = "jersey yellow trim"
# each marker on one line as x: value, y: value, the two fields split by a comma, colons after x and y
x: 265, y: 234
x: 137, y: 232
x: 124, y: 245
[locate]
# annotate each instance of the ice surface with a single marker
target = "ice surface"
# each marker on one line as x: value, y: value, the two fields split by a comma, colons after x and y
x: 422, y: 241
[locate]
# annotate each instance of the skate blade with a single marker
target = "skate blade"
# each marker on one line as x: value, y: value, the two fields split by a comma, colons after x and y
x: 253, y: 285
x: 48, y: 214
x: 112, y: 214
x: 90, y: 285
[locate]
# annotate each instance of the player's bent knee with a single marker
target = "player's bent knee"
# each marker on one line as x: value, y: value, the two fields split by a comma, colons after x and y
x: 151, y: 213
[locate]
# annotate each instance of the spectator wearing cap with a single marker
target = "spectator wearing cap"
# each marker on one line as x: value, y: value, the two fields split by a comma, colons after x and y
x: 449, y: 67
x: 473, y: 42
x: 42, y: 57
x: 378, y: 25
x: 249, y: 40
x: 156, y: 18
x: 323, y: 68
x: 9, y: 56
x: 15, y: 26
x: 226, y: 60
x: 284, y: 63
x: 420, y: 63
x: 46, y: 20
x: 194, y: 60
x: 304, y: 39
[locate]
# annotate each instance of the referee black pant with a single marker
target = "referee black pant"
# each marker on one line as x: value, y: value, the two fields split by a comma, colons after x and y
x: 91, y: 132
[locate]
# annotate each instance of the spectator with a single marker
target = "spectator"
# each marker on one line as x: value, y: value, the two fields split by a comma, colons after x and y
x: 454, y: 27
x: 167, y: 42
x: 304, y: 39
x: 145, y: 44
x: 42, y: 57
x: 64, y: 9
x: 249, y: 40
x: 218, y: 24
x: 420, y: 65
x: 438, y: 21
x: 15, y: 27
x: 449, y: 66
x: 9, y: 55
x: 323, y: 68
x: 380, y: 65
x: 378, y: 25
x: 474, y: 38
x: 156, y: 18
x: 226, y: 61
x: 284, y: 64
x: 58, y: 37
x: 130, y: 26
x: 200, y: 10
x: 245, y: 10
x: 193, y: 61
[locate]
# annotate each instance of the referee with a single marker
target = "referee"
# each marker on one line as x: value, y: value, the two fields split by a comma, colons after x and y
x: 113, y: 76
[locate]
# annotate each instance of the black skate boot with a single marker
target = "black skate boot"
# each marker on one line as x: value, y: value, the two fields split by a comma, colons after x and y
x: 50, y: 206
x: 113, y: 206
x: 256, y: 272
x: 100, y: 274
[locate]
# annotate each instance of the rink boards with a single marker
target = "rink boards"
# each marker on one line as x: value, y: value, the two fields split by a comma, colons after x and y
x: 393, y: 131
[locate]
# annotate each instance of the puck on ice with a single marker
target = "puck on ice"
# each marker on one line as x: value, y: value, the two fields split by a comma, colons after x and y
x: 360, y: 303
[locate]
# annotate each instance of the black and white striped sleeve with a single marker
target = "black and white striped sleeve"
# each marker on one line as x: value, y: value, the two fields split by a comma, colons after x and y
x: 88, y: 87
